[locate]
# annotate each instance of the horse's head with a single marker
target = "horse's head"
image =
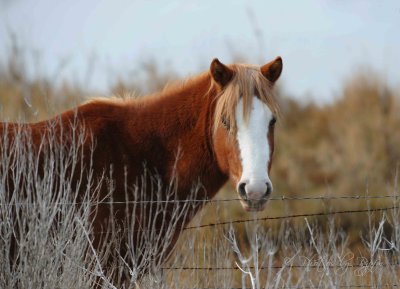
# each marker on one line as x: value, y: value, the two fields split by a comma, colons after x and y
x: 244, y: 119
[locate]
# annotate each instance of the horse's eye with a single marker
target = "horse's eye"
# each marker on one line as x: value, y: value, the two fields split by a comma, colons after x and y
x: 225, y: 123
x: 272, y: 121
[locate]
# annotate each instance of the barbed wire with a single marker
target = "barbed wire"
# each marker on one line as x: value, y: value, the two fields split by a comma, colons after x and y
x: 312, y: 287
x: 206, y: 201
x: 203, y: 226
x: 369, y: 210
x: 278, y: 198
x: 360, y: 265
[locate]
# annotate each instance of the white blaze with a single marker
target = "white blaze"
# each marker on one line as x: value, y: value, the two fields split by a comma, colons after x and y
x: 254, y: 147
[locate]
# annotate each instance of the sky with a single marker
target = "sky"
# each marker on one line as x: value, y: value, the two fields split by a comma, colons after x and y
x: 93, y: 42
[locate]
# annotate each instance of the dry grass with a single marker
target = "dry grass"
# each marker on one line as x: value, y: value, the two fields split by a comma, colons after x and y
x: 349, y: 147
x: 46, y: 239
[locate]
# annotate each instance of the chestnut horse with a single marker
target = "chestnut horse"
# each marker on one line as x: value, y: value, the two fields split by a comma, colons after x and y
x: 221, y: 121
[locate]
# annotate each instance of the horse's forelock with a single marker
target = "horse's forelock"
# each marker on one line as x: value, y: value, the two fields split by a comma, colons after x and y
x: 247, y: 81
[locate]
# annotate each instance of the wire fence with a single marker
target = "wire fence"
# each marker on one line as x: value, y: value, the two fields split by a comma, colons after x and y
x: 359, y: 265
x: 307, y: 266
x: 283, y: 198
x: 369, y: 210
x: 305, y: 215
x: 207, y: 201
x: 284, y: 217
x: 316, y: 286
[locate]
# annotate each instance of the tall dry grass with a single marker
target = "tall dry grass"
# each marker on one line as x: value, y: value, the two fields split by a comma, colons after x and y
x: 47, y: 238
x: 348, y: 147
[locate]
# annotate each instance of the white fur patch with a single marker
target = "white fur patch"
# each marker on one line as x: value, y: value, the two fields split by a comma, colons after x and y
x: 254, y: 147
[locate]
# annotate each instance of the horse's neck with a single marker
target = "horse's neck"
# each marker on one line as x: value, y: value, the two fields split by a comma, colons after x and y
x: 180, y: 124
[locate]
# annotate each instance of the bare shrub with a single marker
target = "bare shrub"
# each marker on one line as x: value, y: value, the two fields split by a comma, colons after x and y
x: 49, y: 198
x: 42, y: 215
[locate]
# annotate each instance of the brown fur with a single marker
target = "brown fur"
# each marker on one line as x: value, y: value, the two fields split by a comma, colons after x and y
x: 246, y: 82
x: 184, y: 119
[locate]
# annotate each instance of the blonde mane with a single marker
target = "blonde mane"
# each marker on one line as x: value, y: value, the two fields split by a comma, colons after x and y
x: 171, y: 87
x: 113, y: 99
x: 246, y: 82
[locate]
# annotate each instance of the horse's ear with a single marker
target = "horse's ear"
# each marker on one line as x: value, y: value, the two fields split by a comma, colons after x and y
x: 273, y: 69
x: 221, y: 73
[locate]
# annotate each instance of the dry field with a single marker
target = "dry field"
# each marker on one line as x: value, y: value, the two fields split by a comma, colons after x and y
x: 333, y: 222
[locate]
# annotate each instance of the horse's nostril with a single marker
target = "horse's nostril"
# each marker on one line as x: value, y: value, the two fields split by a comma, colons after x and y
x: 269, y: 189
x: 242, y: 189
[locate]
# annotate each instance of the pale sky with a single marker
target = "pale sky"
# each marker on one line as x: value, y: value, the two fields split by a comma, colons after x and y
x: 322, y: 42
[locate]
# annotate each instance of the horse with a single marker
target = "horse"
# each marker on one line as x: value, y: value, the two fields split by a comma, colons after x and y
x: 211, y: 128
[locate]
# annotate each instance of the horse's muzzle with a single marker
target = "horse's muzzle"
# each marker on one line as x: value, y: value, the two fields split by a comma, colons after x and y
x: 254, y: 195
